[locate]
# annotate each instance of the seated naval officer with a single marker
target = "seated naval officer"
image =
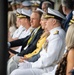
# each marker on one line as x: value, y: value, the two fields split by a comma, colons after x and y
x: 23, y: 23
x: 52, y: 50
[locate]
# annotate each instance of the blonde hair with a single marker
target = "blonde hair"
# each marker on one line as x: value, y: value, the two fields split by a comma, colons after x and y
x: 11, y: 19
x: 43, y: 15
x: 70, y: 37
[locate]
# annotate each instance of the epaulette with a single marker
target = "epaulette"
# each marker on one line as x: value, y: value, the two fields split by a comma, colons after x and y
x: 56, y: 32
x: 71, y: 22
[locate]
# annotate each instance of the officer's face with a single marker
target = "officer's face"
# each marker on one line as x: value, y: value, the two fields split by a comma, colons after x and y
x: 23, y: 21
x: 35, y: 20
x: 49, y: 24
x: 18, y: 23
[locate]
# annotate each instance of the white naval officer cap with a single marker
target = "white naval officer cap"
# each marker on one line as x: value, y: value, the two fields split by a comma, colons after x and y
x: 54, y: 14
x: 25, y: 13
x: 26, y: 3
x: 15, y: 2
x: 38, y: 9
x: 35, y: 4
x: 18, y: 11
x: 47, y: 2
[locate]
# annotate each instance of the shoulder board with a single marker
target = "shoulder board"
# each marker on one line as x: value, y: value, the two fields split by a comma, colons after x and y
x: 56, y: 32
x: 71, y: 22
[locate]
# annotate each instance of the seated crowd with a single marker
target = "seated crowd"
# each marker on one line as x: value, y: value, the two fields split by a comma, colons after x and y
x: 41, y: 40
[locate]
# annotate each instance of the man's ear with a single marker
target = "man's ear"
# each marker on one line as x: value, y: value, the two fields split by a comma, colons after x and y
x: 54, y: 21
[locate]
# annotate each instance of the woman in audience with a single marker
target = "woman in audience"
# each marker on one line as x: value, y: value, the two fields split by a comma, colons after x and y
x: 11, y: 22
x: 67, y: 62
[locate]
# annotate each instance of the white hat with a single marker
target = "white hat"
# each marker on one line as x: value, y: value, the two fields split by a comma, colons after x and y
x: 18, y: 2
x: 40, y: 10
x: 18, y: 11
x: 35, y: 4
x: 47, y: 2
x: 32, y: 1
x: 15, y: 2
x: 25, y: 13
x: 54, y: 14
x: 26, y: 3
